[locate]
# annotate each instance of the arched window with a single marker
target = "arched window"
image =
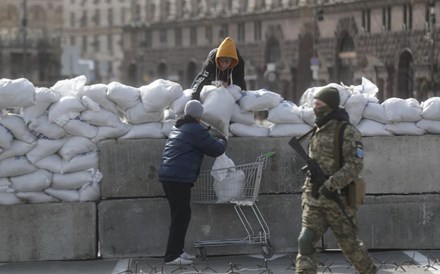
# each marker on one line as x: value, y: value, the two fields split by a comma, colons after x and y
x: 346, y: 57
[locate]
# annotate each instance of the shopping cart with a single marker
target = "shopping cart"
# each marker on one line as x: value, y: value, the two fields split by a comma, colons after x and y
x: 244, y: 194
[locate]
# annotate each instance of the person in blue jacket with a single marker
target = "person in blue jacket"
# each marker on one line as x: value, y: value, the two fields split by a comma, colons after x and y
x: 182, y: 157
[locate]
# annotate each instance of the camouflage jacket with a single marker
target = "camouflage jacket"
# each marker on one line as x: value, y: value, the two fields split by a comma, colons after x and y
x: 321, y: 148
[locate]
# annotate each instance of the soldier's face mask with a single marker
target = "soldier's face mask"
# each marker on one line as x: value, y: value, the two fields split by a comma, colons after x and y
x: 321, y: 111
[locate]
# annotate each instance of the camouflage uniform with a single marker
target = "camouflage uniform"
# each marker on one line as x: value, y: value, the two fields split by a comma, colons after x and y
x: 322, y: 213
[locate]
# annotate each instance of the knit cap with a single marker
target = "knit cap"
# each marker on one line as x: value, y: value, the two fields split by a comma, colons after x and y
x: 330, y: 96
x: 194, y: 109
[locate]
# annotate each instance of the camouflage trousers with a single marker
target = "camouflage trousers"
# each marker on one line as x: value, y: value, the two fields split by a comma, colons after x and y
x: 319, y: 219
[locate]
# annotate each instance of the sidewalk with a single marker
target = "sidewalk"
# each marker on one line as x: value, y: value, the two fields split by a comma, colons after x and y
x: 413, y: 262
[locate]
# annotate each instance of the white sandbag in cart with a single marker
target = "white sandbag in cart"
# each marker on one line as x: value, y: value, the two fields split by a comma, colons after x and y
x: 16, y: 93
x: 228, y: 181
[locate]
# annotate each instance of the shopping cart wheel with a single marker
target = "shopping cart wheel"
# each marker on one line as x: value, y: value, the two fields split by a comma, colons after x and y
x: 202, y: 253
x: 267, y: 251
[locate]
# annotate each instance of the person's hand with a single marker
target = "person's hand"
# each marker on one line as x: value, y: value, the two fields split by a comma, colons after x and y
x: 223, y: 138
x: 327, y: 193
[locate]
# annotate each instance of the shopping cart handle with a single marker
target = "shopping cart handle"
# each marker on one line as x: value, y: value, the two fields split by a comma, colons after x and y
x: 269, y: 154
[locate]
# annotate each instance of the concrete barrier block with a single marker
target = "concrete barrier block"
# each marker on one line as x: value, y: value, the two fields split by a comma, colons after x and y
x: 139, y: 227
x: 130, y: 168
x: 53, y: 231
x: 397, y: 222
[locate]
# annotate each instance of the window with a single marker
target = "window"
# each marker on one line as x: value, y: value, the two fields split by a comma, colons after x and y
x: 386, y: 18
x: 123, y: 15
x: 366, y: 20
x: 84, y: 44
x: 110, y: 17
x: 97, y: 17
x: 95, y: 43
x: 241, y: 32
x: 72, y: 40
x: 193, y: 36
x: 110, y: 43
x: 147, y: 38
x: 178, y: 37
x: 257, y: 31
x: 163, y: 37
x: 84, y: 19
x: 72, y: 19
x: 208, y: 34
x: 223, y: 31
x: 407, y: 16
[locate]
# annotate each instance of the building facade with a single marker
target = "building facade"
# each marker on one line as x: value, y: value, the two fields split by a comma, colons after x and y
x: 92, y: 36
x: 30, y: 44
x: 290, y: 45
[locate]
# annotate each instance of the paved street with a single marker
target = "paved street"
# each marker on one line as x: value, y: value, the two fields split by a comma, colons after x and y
x: 396, y: 261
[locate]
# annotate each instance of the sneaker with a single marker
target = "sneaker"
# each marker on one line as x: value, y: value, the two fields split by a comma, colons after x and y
x: 187, y: 256
x: 180, y: 261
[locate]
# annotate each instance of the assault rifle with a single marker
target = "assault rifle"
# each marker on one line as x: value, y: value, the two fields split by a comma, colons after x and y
x: 317, y: 177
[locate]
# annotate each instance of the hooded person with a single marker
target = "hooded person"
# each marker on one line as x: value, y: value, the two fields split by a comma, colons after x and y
x: 185, y: 148
x: 224, y: 64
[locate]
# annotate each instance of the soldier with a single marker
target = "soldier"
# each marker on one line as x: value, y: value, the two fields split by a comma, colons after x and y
x: 323, y: 212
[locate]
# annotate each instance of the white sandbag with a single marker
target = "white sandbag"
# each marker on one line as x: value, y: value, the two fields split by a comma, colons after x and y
x: 17, y: 126
x: 241, y: 130
x: 16, y: 93
x: 308, y: 115
x: 44, y: 148
x: 285, y: 113
x: 221, y: 166
x: 402, y: 110
x: 90, y: 104
x: 231, y: 187
x: 355, y: 105
x: 80, y: 128
x: 44, y: 97
x: 37, y: 197
x: 218, y: 107
x: 42, y: 127
x: 375, y: 112
x: 369, y: 127
x: 53, y: 163
x: 32, y: 182
x: 63, y: 195
x: 73, y: 180
x: 235, y: 91
x: 90, y: 192
x: 65, y: 107
x: 70, y: 87
x: 237, y: 116
x: 101, y: 118
x: 307, y: 97
x: 430, y: 126
x: 148, y: 130
x: 168, y: 114
x: 6, y: 137
x: 159, y: 94
x: 138, y: 115
x: 404, y: 128
x: 98, y: 93
x: 16, y: 166
x: 257, y: 100
x: 111, y: 132
x: 124, y: 96
x: 17, y: 148
x: 206, y: 89
x: 280, y: 130
x: 178, y: 105
x: 369, y: 90
x: 5, y: 185
x: 431, y: 109
x: 75, y: 145
x: 81, y: 162
x: 9, y: 199
x: 167, y: 126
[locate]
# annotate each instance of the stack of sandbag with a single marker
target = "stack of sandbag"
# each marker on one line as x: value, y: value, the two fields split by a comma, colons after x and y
x: 430, y: 121
x: 287, y: 119
x: 402, y: 115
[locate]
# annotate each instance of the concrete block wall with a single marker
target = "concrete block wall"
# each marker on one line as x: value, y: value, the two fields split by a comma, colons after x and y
x: 132, y: 218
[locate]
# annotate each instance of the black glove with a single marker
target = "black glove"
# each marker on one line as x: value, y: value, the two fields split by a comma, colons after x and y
x: 327, y: 193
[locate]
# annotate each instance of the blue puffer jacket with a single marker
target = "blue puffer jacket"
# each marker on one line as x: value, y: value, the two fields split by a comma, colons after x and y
x: 184, y: 150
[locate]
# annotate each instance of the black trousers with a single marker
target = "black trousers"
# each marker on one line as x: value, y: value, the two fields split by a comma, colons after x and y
x: 179, y: 197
